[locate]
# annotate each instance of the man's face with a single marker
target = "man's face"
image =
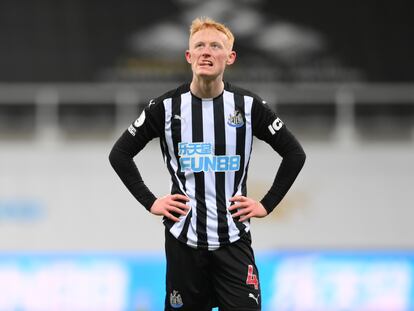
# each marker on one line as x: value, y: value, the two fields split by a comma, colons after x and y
x: 209, y: 52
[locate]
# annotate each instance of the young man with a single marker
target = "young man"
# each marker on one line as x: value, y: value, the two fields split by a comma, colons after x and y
x: 206, y: 130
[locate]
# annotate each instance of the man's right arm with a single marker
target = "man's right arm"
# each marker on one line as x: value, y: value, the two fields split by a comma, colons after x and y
x: 132, y: 141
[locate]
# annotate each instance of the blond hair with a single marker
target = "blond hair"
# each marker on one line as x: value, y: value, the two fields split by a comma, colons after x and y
x: 206, y: 22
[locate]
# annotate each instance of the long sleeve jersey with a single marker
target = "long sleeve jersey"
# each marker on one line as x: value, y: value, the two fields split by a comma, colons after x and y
x: 206, y: 144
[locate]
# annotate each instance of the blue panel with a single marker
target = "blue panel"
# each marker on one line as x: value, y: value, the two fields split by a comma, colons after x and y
x: 289, y: 281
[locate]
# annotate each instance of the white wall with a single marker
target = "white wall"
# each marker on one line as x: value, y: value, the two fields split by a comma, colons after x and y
x: 353, y: 197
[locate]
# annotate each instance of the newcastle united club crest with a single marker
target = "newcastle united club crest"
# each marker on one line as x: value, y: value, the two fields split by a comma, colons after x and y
x: 176, y: 300
x: 236, y: 119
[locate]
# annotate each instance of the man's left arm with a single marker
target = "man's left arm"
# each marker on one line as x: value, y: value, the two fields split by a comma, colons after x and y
x: 268, y: 127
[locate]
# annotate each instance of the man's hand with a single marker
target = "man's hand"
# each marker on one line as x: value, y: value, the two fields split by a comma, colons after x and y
x: 172, y: 203
x: 247, y: 208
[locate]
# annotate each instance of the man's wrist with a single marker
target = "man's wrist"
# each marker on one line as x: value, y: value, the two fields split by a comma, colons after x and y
x: 270, y: 201
x: 149, y: 204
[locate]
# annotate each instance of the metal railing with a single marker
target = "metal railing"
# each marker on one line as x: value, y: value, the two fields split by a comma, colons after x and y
x: 127, y: 98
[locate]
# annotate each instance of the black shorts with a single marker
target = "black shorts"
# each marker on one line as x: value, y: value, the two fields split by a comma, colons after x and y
x: 198, y: 280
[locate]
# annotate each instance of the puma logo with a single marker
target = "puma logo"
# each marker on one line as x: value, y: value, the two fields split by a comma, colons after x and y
x: 177, y: 117
x: 255, y: 298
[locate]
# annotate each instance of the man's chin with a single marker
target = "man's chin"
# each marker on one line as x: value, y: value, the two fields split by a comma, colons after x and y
x: 207, y: 75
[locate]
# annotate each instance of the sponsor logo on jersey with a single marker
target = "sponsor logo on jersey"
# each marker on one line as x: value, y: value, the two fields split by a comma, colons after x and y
x: 132, y: 130
x: 235, y: 119
x: 175, y: 299
x: 199, y: 157
x: 275, y: 126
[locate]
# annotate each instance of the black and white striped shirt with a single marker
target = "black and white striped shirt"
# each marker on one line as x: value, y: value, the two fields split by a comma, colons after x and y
x: 206, y: 144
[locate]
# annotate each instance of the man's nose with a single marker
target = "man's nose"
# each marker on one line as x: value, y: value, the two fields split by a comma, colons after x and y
x: 206, y: 50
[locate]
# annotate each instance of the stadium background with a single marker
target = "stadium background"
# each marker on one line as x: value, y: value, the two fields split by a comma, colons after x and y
x: 74, y: 74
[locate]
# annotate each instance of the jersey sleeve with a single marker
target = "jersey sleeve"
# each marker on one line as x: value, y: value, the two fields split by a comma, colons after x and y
x: 148, y: 125
x: 268, y: 127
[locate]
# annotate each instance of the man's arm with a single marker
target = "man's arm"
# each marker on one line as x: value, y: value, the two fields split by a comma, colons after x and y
x: 293, y: 159
x: 268, y: 127
x: 121, y: 159
x: 147, y: 126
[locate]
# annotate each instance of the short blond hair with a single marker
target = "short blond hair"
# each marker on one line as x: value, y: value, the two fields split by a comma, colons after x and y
x: 206, y: 22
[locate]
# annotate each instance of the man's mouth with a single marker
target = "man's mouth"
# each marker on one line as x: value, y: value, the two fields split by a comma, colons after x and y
x: 206, y: 63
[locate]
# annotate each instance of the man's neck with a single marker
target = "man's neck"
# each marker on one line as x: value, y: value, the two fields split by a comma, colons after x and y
x: 206, y: 88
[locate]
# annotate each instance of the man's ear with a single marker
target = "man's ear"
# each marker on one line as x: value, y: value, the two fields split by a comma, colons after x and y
x: 188, y: 56
x: 232, y: 58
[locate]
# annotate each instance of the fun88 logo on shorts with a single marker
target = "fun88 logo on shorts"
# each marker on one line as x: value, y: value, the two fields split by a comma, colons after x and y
x: 199, y: 157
